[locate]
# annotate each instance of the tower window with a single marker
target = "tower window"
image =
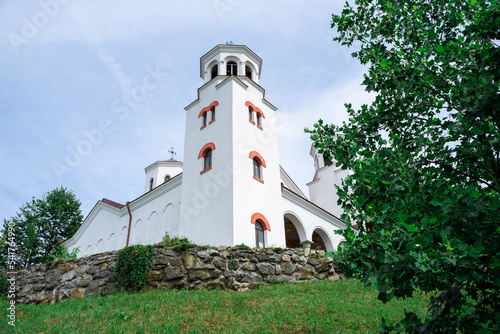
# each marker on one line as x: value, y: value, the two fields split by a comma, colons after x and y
x: 214, y: 72
x: 326, y: 160
x: 213, y: 115
x: 259, y: 120
x: 257, y: 169
x: 231, y: 68
x: 151, y: 184
x: 206, y: 154
x: 250, y: 114
x: 259, y: 235
x: 167, y: 178
x: 207, y: 162
x: 204, y: 120
x: 248, y: 72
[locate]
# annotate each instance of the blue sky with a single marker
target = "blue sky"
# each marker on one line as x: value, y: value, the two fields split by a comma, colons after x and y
x: 68, y: 69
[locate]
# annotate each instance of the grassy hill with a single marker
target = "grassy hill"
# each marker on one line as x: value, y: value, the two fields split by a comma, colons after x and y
x: 317, y: 307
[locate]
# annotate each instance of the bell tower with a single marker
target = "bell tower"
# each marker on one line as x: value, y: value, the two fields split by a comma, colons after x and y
x: 231, y: 179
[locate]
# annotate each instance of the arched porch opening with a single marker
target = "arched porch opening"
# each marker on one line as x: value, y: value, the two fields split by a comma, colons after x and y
x: 321, y: 240
x: 294, y: 231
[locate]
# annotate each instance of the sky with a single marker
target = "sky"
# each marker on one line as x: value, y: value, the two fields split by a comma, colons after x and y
x: 67, y: 66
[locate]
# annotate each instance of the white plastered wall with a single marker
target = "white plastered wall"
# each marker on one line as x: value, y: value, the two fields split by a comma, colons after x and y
x: 153, y: 214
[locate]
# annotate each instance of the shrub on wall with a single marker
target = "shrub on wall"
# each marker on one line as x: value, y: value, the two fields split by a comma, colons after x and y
x: 132, y: 266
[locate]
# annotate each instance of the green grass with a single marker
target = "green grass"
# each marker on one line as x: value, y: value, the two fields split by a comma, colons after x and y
x: 318, y: 307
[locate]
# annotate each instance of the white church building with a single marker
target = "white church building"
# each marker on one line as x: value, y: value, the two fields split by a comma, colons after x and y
x: 230, y: 189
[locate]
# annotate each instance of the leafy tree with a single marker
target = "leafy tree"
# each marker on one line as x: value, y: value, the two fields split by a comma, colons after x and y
x: 40, y: 226
x: 425, y: 188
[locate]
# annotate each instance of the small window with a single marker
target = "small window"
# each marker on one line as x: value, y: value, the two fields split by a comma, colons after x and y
x: 167, y: 178
x: 232, y: 68
x: 250, y: 114
x: 214, y: 72
x: 256, y: 169
x: 259, y: 235
x: 326, y: 160
x: 213, y: 114
x: 151, y: 184
x: 259, y: 120
x: 207, y: 163
x: 204, y: 119
x: 248, y: 72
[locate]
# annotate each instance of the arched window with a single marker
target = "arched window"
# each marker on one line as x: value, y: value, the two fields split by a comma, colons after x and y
x: 250, y: 115
x: 151, y: 184
x: 213, y: 115
x: 231, y: 68
x: 259, y: 120
x: 248, y: 72
x: 326, y: 160
x: 167, y: 178
x: 204, y: 120
x: 207, y: 162
x: 258, y: 162
x: 257, y: 169
x: 206, y: 154
x: 214, y: 72
x: 259, y: 235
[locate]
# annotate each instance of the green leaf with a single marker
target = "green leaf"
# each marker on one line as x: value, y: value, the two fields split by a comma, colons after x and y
x: 439, y: 48
x: 421, y: 49
x: 476, y: 194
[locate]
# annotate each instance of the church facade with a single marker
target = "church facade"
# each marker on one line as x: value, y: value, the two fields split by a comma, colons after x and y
x: 230, y: 189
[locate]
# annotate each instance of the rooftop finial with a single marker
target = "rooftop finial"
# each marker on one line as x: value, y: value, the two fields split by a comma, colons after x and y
x: 172, y: 153
x: 229, y: 43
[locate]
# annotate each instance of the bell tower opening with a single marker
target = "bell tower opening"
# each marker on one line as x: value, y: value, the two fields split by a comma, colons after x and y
x: 231, y: 68
x: 214, y: 72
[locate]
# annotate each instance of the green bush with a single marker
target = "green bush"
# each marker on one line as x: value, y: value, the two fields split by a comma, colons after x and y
x: 132, y: 266
x: 179, y: 244
x: 3, y: 283
x: 60, y: 252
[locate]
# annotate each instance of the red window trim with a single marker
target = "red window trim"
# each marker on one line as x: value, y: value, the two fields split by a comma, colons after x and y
x: 260, y: 127
x: 212, y: 121
x: 251, y: 121
x: 265, y: 224
x: 260, y: 180
x: 206, y: 170
x: 208, y: 108
x: 259, y: 158
x: 257, y: 110
x: 204, y: 149
x: 204, y: 126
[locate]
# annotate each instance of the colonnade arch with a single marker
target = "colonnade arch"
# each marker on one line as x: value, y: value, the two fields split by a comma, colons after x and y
x: 298, y: 235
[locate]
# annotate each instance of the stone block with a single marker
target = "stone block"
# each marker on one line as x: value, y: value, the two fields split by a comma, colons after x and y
x: 247, y: 276
x: 154, y: 276
x: 52, y: 277
x: 77, y: 293
x: 68, y: 276
x: 275, y: 258
x: 191, y: 262
x: 266, y: 268
x: 161, y: 260
x: 233, y: 264
x: 27, y: 288
x: 216, y: 273
x: 199, y: 274
x: 173, y: 272
x: 288, y: 268
x: 220, y: 263
x: 285, y: 258
x: 248, y: 266
x: 307, y: 273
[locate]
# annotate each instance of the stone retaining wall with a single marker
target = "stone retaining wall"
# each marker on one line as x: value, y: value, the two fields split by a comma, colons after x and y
x: 234, y: 268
